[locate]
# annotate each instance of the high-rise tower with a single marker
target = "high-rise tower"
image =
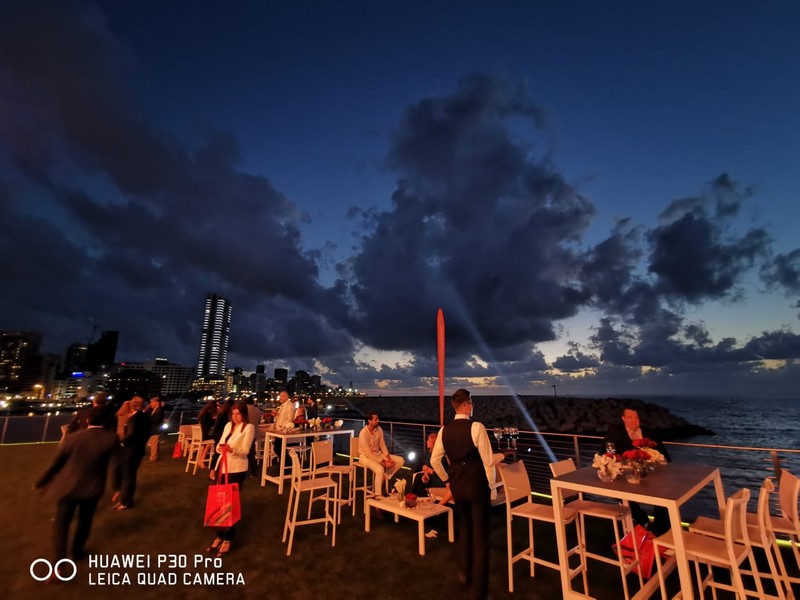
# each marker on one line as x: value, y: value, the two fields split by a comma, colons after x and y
x: 213, y: 356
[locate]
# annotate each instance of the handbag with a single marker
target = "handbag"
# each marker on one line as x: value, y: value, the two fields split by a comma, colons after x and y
x: 223, y: 506
x: 177, y: 451
x: 643, y: 541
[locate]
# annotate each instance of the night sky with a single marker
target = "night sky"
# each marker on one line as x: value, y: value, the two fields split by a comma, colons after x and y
x: 602, y: 196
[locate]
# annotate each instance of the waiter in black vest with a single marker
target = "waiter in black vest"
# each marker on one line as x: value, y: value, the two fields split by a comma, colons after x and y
x: 469, y: 454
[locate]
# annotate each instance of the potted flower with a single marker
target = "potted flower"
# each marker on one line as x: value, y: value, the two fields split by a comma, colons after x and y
x: 411, y: 500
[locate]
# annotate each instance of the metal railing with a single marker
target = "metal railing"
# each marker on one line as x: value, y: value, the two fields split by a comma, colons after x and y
x: 740, y: 466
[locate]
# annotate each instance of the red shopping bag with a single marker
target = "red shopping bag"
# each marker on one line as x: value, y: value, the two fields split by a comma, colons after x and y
x: 643, y: 541
x: 223, y: 507
x: 177, y: 451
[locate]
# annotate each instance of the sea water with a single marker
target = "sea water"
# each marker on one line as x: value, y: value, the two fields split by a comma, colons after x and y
x: 742, y: 422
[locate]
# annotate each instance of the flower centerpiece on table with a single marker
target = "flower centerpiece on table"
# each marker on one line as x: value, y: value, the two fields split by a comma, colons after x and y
x: 400, y: 488
x: 608, y: 467
x: 326, y: 422
x: 411, y: 500
x: 637, y: 459
x: 314, y: 423
x: 648, y: 446
x: 300, y: 422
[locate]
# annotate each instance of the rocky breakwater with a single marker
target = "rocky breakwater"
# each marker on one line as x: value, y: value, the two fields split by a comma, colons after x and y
x: 588, y: 416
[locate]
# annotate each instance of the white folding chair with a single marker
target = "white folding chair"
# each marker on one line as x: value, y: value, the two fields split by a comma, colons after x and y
x: 517, y: 487
x: 617, y: 514
x: 761, y: 535
x: 200, y: 451
x: 300, y: 485
x: 728, y: 553
x: 788, y: 523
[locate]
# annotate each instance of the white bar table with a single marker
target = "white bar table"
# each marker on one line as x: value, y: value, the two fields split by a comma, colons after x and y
x: 294, y: 434
x: 669, y: 486
x: 424, y: 510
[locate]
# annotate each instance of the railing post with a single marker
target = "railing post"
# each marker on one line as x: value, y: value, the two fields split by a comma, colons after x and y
x: 46, y: 423
x: 577, y: 446
x: 776, y: 464
x: 5, y: 427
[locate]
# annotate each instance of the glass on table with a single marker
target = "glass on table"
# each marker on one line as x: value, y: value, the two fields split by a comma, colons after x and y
x: 498, y: 435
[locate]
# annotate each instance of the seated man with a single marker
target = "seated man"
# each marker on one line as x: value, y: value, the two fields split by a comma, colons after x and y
x: 427, y: 478
x: 623, y: 436
x: 372, y: 452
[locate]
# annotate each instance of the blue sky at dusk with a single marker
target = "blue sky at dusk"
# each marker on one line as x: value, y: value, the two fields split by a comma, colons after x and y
x: 601, y: 196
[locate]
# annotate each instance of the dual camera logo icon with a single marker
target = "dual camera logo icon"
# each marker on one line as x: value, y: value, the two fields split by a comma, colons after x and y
x: 61, y: 569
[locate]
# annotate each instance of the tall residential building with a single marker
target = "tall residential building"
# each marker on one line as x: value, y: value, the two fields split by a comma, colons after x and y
x: 18, y: 353
x: 213, y: 355
x: 100, y: 354
x: 176, y: 379
x: 281, y: 375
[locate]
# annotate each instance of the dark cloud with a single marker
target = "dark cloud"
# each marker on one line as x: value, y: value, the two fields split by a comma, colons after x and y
x: 692, y: 258
x: 150, y: 223
x: 478, y: 225
x: 783, y: 270
x: 107, y: 219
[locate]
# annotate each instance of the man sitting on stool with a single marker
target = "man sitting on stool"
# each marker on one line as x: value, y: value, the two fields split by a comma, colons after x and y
x: 623, y: 436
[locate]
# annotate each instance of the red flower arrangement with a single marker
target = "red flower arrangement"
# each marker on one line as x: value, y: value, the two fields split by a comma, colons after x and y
x: 635, y: 454
x: 300, y: 421
x: 411, y: 500
x: 326, y: 421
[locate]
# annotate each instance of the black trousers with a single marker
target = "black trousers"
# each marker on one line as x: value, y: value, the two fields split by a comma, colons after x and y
x: 661, y: 523
x: 130, y: 459
x: 65, y: 511
x: 473, y: 543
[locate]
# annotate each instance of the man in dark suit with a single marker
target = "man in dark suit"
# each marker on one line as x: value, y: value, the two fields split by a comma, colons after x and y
x: 81, y: 419
x: 134, y: 443
x: 77, y: 479
x: 469, y: 453
x: 622, y: 437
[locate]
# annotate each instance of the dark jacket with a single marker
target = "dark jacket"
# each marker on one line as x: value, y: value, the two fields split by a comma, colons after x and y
x: 156, y: 418
x: 137, y: 432
x: 80, y: 465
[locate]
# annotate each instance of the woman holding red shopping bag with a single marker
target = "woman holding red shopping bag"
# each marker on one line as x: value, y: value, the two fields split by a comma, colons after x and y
x: 234, y: 445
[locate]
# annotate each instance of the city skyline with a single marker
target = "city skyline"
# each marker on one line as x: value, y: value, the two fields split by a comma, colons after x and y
x: 599, y: 196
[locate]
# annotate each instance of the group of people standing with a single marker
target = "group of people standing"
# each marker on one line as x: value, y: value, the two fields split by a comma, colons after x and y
x: 98, y: 440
